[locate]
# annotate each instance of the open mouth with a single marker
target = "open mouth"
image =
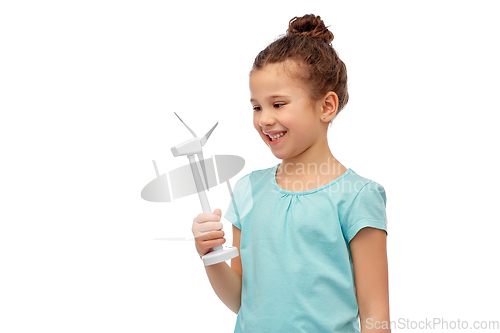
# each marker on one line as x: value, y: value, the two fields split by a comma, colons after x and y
x: 272, y: 140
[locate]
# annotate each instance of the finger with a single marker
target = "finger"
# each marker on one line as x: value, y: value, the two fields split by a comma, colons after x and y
x: 210, y: 236
x: 206, y: 217
x: 213, y: 242
x: 202, y: 228
x: 209, y: 226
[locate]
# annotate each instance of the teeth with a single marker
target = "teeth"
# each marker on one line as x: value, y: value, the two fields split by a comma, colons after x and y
x: 277, y: 136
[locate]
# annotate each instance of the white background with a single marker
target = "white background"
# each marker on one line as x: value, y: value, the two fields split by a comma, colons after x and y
x: 87, y: 95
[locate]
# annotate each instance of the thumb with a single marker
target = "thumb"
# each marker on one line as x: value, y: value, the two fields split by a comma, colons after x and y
x: 218, y: 212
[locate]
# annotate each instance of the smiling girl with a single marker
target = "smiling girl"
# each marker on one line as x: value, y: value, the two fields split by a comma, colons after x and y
x: 311, y: 232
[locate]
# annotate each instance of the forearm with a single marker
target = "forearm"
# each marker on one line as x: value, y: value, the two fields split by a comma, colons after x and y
x: 379, y: 323
x: 369, y: 257
x: 226, y: 284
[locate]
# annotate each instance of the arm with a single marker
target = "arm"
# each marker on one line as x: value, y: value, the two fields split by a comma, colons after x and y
x: 226, y: 281
x: 369, y: 258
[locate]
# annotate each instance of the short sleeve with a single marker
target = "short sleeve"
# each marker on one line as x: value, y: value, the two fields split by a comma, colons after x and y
x: 240, y: 203
x: 366, y: 210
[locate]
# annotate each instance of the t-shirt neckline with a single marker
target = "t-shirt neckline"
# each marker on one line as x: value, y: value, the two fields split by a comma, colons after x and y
x: 279, y: 189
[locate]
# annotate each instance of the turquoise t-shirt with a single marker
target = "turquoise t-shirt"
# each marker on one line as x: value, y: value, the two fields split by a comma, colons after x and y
x: 295, y: 255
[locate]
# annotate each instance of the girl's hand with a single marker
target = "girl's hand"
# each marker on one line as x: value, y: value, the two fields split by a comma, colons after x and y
x: 207, y: 231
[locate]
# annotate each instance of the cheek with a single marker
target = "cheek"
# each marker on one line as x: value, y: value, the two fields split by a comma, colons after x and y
x: 256, y: 125
x: 256, y: 122
x: 289, y: 121
x: 301, y: 128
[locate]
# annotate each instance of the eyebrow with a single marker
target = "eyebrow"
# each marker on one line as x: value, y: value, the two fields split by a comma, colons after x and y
x: 271, y: 97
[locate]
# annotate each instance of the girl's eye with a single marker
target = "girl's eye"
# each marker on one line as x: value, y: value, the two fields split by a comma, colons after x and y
x: 278, y: 105
x: 257, y: 108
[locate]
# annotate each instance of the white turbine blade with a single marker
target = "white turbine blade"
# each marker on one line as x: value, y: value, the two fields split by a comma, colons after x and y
x: 156, y: 169
x: 190, y: 130
x: 205, y: 138
x: 204, y: 169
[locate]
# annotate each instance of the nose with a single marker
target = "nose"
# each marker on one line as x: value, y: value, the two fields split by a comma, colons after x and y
x: 266, y: 118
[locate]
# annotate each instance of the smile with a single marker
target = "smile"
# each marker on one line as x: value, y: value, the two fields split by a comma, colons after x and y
x: 275, y: 139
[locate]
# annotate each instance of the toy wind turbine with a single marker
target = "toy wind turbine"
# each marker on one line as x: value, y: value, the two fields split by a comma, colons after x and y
x: 189, y: 148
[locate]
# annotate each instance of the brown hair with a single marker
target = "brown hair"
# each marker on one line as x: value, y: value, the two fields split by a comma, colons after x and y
x: 308, y: 42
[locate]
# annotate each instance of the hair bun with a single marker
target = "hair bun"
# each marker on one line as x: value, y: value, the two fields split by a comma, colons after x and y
x: 310, y: 25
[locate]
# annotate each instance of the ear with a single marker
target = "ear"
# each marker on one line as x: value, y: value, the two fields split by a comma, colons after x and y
x: 330, y: 106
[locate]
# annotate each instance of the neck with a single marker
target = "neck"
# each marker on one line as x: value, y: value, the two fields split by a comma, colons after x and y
x: 315, y: 160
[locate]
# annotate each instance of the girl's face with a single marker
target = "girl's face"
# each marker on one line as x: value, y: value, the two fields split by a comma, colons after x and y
x: 281, y: 104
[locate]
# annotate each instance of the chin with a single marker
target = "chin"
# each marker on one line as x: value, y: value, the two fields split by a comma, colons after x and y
x: 280, y: 155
